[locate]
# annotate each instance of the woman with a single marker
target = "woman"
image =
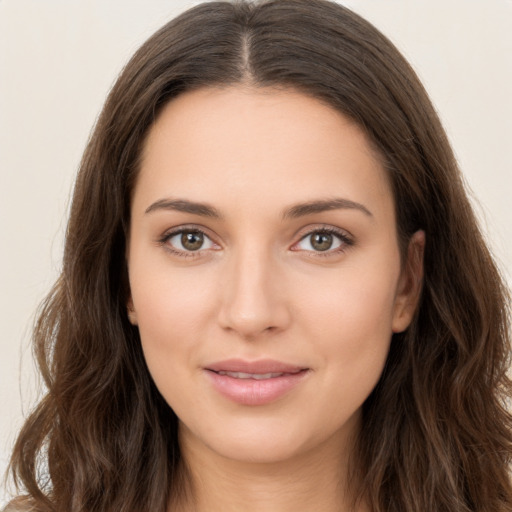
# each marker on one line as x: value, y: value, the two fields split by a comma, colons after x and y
x: 275, y: 295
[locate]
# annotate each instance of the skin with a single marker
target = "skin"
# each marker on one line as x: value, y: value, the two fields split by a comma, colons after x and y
x: 259, y: 288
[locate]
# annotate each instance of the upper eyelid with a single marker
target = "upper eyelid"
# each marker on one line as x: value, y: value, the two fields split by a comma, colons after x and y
x: 308, y: 230
x: 344, y: 238
x: 172, y: 232
x: 185, y: 228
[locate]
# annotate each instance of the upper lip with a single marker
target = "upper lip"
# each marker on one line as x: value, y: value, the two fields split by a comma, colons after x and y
x: 260, y: 366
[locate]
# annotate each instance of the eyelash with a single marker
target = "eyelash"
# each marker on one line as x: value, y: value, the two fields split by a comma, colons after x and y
x: 344, y: 238
x: 177, y: 252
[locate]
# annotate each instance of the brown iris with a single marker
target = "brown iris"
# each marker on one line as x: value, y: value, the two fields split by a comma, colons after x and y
x: 192, y: 240
x: 321, y: 241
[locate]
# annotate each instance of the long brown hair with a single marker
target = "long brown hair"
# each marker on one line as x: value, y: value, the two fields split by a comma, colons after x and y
x: 436, y: 434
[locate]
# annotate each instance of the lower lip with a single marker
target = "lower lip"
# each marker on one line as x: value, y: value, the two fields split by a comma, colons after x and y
x: 253, y: 391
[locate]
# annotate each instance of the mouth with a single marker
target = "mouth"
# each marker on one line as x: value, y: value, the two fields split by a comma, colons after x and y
x: 248, y: 369
x: 255, y: 376
x: 254, y: 382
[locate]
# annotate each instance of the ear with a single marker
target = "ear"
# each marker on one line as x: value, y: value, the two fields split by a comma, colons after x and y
x: 409, y: 284
x: 132, y: 315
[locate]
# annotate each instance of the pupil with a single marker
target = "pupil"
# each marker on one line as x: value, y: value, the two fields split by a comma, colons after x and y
x: 192, y: 241
x: 321, y: 241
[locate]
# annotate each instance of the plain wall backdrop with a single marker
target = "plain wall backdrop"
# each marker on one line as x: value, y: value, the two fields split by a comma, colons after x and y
x: 58, y: 59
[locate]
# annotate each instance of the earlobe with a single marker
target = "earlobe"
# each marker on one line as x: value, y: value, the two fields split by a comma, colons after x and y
x: 130, y: 309
x: 410, y: 284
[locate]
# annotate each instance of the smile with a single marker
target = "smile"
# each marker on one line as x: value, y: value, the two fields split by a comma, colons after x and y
x: 256, y: 376
x: 254, y: 383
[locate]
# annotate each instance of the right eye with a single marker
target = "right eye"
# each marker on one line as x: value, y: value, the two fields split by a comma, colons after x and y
x: 187, y: 241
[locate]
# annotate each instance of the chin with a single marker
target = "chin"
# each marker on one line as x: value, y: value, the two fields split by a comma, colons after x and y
x: 268, y: 449
x: 261, y: 440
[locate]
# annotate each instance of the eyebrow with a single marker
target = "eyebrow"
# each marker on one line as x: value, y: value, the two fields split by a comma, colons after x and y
x: 293, y: 212
x: 183, y: 205
x: 312, y: 207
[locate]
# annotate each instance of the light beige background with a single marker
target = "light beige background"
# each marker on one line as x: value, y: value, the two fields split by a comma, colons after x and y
x: 58, y: 59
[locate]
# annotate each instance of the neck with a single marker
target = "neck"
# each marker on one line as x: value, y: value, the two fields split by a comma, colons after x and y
x: 314, y: 480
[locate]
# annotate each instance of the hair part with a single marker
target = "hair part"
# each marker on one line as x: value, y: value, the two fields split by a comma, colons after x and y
x: 436, y: 431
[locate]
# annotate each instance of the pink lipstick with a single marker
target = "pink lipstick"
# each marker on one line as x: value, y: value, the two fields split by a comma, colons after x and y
x: 254, y: 382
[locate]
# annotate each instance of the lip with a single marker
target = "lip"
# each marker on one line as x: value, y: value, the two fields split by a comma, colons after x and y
x: 251, y: 391
x: 258, y: 366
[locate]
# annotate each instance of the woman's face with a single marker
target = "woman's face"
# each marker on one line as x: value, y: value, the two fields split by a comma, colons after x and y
x: 264, y: 270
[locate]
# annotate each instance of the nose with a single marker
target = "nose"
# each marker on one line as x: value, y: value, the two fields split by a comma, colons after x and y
x: 253, y: 295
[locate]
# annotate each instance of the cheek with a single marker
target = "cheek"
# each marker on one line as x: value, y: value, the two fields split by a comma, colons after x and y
x: 349, y: 319
x: 341, y: 322
x: 174, y: 308
x: 354, y: 301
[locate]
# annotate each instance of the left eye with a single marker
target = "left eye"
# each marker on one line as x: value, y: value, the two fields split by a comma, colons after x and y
x: 320, y: 241
x: 190, y: 241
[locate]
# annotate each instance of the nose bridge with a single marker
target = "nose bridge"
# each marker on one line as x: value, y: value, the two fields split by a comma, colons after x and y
x: 253, y: 301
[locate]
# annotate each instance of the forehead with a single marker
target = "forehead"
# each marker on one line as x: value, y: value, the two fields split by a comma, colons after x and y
x: 266, y: 146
